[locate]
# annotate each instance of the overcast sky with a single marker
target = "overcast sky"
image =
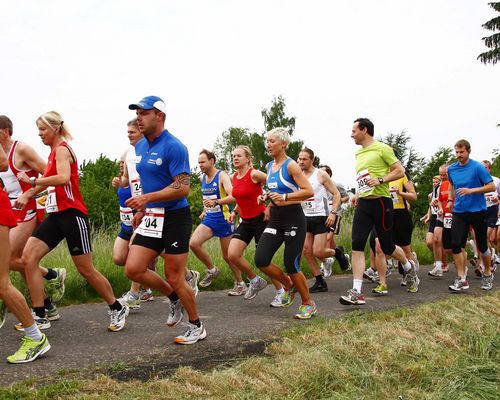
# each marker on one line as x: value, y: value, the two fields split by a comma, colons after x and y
x: 405, y: 64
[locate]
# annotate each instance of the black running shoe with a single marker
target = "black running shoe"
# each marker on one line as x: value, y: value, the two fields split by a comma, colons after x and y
x: 318, y: 287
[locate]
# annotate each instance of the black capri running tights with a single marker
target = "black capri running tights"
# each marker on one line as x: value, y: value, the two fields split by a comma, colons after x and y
x: 287, y: 224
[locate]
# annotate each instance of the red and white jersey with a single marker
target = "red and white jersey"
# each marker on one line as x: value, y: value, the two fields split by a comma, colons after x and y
x: 63, y: 197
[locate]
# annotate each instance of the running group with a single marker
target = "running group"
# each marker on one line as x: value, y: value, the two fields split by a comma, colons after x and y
x: 293, y: 203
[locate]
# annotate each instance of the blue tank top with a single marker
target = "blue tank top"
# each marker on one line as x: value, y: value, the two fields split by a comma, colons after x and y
x: 125, y: 212
x: 214, y: 190
x: 280, y: 181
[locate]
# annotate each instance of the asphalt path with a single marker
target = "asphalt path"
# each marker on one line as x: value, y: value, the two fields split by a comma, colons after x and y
x: 236, y: 328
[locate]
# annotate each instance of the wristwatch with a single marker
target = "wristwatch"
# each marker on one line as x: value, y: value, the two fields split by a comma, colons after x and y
x: 380, y: 180
x: 33, y: 181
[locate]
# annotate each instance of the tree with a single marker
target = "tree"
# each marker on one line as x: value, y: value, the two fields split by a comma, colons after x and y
x: 407, y: 154
x: 492, y: 42
x: 100, y: 198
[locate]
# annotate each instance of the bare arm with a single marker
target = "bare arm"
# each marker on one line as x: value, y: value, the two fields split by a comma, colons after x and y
x: 326, y: 181
x: 31, y: 158
x: 4, y: 162
x: 411, y: 193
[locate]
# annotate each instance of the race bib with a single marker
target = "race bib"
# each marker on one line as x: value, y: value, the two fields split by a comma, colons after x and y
x: 394, y: 194
x: 308, y: 205
x: 51, y: 202
x: 152, y: 223
x: 361, y: 179
x: 490, y: 200
x: 136, y: 187
x: 448, y: 217
x: 126, y: 216
x: 213, y: 209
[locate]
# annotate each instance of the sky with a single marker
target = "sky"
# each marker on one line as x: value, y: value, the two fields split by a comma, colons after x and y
x: 407, y: 65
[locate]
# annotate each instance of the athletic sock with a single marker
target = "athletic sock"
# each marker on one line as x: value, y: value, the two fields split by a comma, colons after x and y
x: 51, y: 274
x: 39, y: 312
x: 196, y: 322
x: 279, y: 291
x: 33, y: 332
x: 254, y: 280
x: 241, y: 283
x: 173, y: 297
x: 357, y: 284
x: 116, y: 306
x: 407, y: 266
x: 47, y: 304
x: 439, y: 264
x: 212, y: 270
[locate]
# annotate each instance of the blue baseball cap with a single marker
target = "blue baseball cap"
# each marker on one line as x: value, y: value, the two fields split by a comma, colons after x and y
x: 148, y: 103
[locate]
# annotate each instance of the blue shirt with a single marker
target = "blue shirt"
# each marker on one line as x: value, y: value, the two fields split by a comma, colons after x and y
x: 123, y: 195
x: 158, y: 163
x: 215, y: 190
x: 471, y: 175
x: 280, y: 181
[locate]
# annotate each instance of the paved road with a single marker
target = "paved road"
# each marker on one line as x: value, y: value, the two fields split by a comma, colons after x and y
x: 235, y: 327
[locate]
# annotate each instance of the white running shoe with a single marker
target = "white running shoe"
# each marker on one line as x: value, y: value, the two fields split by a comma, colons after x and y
x: 192, y: 335
x: 327, y: 267
x: 436, y: 271
x: 209, y: 277
x: 255, y: 288
x: 176, y: 313
x: 146, y: 295
x: 276, y: 302
x: 193, y: 282
x: 370, y: 274
x: 238, y: 289
x: 131, y: 299
x: 117, y: 318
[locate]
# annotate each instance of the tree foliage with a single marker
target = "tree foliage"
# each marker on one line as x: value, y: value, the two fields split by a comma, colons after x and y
x: 492, y: 56
x: 100, y: 198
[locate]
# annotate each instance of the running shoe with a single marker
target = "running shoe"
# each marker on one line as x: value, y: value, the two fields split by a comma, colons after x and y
x: 255, y: 288
x: 3, y: 312
x: 192, y: 335
x: 412, y: 280
x: 445, y: 267
x: 404, y: 280
x: 459, y: 285
x: 176, y: 313
x: 287, y: 298
x: 376, y: 278
x: 276, y: 302
x: 52, y: 314
x: 436, y: 271
x: 209, y: 277
x: 29, y: 350
x: 417, y: 263
x: 146, y: 295
x: 318, y: 287
x: 42, y: 323
x: 306, y: 311
x: 487, y: 283
x: 117, y: 318
x: 193, y: 281
x: 327, y: 267
x: 55, y: 287
x: 348, y: 258
x: 342, y: 258
x: 238, y: 289
x: 474, y: 261
x: 353, y: 298
x: 131, y: 299
x: 369, y: 274
x: 380, y: 289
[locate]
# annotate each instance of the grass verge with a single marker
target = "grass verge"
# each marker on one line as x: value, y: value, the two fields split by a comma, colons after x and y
x: 443, y: 350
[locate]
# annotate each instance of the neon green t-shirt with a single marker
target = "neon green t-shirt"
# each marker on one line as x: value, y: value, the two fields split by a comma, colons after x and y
x: 374, y: 161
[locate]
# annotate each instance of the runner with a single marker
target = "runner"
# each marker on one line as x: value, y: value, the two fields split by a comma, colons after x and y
x: 469, y: 181
x: 215, y: 187
x: 22, y: 158
x: 163, y: 218
x: 376, y: 164
x: 247, y: 187
x: 287, y: 186
x: 319, y: 218
x: 34, y: 343
x: 67, y: 220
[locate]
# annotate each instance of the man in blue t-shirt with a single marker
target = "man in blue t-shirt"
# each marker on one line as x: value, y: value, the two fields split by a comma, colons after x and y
x: 469, y: 181
x: 163, y: 219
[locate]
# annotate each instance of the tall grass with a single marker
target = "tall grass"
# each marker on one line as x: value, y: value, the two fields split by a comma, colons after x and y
x: 442, y: 350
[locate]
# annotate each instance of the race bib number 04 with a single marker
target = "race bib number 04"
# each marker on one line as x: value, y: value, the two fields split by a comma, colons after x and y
x: 152, y: 223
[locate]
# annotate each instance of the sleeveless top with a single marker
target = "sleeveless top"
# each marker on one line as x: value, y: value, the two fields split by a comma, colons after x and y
x: 211, y: 191
x: 280, y: 181
x: 126, y: 213
x: 318, y: 204
x: 245, y: 192
x: 434, y: 196
x: 63, y: 197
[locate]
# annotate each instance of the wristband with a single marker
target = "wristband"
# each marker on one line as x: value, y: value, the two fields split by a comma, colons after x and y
x: 285, y: 196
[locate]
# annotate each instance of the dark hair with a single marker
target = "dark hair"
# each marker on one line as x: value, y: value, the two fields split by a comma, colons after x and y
x: 308, y: 151
x: 6, y: 123
x: 327, y: 169
x: 210, y: 155
x: 463, y: 143
x: 132, y: 122
x: 365, y: 123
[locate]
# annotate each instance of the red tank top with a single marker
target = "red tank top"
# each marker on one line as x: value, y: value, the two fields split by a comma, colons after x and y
x: 245, y: 192
x: 444, y: 196
x: 66, y: 196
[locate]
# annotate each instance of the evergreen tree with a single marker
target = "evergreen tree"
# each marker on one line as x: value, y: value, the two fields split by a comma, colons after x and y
x: 492, y: 42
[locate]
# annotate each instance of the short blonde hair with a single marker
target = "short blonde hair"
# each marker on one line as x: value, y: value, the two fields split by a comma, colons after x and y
x: 246, y: 150
x: 282, y: 134
x: 55, y: 121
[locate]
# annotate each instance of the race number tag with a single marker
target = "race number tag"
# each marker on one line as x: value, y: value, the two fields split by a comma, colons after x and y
x: 213, y: 209
x: 394, y: 194
x: 126, y: 216
x: 490, y: 200
x: 448, y: 217
x: 308, y: 205
x: 361, y: 179
x: 152, y: 223
x: 136, y: 187
x: 51, y: 202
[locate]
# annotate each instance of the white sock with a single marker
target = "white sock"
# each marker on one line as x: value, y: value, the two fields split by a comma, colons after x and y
x: 357, y: 284
x: 439, y: 264
x: 33, y: 332
x: 407, y: 266
x: 255, y: 280
x: 280, y: 291
x: 212, y: 270
x: 241, y: 283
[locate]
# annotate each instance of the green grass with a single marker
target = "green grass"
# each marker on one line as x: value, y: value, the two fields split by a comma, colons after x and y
x: 442, y: 350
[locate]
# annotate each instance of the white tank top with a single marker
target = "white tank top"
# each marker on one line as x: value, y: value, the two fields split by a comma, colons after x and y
x: 9, y: 177
x: 133, y: 175
x: 316, y: 206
